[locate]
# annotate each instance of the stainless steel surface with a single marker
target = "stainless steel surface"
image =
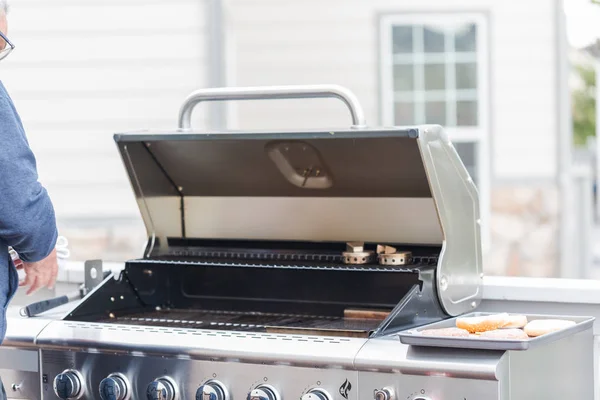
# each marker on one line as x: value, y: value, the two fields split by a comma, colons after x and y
x: 242, y: 380
x: 460, y: 270
x: 94, y: 274
x: 446, y: 373
x: 413, y: 336
x: 558, y: 370
x: 379, y: 218
x: 19, y: 370
x: 21, y: 384
x: 273, y: 92
x: 202, y: 344
x: 382, y: 192
x: 384, y: 363
x: 381, y: 363
x: 19, y: 355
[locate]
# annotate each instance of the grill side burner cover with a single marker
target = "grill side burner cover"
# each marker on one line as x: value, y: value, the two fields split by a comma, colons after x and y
x: 401, y: 185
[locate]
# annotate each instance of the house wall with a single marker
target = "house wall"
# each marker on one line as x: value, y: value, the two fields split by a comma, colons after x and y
x: 281, y: 42
x: 84, y: 70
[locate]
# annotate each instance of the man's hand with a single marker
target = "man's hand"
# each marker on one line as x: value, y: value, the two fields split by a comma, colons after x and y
x: 40, y: 274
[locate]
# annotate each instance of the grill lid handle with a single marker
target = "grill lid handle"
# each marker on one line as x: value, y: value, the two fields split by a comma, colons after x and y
x: 272, y: 93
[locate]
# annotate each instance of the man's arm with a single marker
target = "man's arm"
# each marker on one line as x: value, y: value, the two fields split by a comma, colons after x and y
x: 27, y: 218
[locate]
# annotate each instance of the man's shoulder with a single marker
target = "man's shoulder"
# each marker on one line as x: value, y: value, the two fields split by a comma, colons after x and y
x: 3, y: 91
x: 5, y: 99
x: 9, y: 117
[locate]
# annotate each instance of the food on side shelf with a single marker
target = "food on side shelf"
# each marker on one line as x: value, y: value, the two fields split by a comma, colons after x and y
x: 541, y: 327
x: 482, y: 324
x: 516, y: 321
x: 454, y: 332
x: 510, y: 333
x: 499, y: 326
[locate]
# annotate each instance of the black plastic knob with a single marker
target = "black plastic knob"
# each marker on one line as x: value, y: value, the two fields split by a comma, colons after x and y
x: 211, y: 390
x: 67, y: 385
x: 160, y: 389
x: 263, y: 392
x: 113, y: 388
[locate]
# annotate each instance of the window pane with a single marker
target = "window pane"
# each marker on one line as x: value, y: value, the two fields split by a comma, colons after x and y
x: 465, y: 39
x: 404, y: 113
x: 435, y: 112
x: 403, y: 77
x: 468, y: 155
x: 402, y: 39
x: 435, y: 76
x: 433, y: 40
x: 466, y: 113
x: 466, y: 76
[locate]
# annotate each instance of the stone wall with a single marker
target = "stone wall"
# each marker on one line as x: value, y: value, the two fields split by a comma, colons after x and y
x: 524, y: 231
x: 524, y: 234
x: 108, y: 240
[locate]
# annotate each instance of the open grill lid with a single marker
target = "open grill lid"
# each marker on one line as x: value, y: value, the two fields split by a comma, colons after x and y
x: 385, y: 186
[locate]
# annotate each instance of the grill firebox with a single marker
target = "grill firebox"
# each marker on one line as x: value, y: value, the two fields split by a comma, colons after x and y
x: 272, y: 291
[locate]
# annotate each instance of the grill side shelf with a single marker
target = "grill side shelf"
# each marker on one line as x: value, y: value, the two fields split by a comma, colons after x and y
x: 415, y: 338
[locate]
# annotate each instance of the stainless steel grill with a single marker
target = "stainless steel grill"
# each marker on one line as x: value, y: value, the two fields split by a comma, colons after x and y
x: 284, y: 264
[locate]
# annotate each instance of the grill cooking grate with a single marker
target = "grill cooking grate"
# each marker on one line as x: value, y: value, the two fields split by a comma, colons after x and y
x: 283, y: 260
x: 249, y: 322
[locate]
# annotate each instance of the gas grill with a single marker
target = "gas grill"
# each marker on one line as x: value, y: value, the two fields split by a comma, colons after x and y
x: 283, y: 264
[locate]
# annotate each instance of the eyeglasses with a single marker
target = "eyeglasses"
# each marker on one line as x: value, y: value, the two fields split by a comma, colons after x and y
x: 7, y: 49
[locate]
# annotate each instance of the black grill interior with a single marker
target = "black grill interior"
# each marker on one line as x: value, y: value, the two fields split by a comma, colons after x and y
x: 195, y: 289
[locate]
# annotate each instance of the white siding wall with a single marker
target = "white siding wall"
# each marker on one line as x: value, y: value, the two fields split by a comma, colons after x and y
x: 83, y: 70
x: 336, y: 41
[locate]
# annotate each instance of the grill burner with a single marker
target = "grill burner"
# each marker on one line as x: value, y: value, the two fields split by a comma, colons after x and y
x: 356, y: 254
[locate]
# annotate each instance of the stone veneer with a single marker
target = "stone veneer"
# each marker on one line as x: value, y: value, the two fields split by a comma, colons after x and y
x: 524, y: 231
x: 110, y: 241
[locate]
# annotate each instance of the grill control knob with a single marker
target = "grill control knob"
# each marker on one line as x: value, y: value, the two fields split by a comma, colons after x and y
x: 212, y: 390
x: 67, y: 385
x: 263, y: 392
x: 383, y: 394
x: 161, y: 389
x: 316, y: 394
x: 114, y: 387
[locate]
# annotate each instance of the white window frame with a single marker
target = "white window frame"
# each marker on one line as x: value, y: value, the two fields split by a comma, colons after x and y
x: 479, y: 135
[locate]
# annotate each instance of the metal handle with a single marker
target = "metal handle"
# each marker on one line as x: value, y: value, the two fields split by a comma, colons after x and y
x: 43, y: 306
x: 271, y: 93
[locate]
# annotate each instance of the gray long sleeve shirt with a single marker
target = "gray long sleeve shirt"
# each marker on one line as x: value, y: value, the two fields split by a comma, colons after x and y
x: 27, y: 219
